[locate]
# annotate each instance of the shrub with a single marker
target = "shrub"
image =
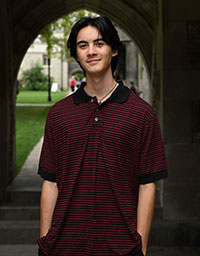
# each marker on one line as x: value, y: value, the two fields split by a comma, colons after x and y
x: 34, y: 79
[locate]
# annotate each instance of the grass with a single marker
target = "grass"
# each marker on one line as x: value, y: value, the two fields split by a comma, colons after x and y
x: 30, y: 123
x: 39, y: 96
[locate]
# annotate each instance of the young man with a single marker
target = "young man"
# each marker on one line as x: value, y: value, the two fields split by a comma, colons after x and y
x: 101, y: 156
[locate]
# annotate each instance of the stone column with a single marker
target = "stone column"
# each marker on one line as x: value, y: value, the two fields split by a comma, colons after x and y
x: 7, y: 102
x: 182, y: 108
x: 131, y: 63
x: 157, y: 87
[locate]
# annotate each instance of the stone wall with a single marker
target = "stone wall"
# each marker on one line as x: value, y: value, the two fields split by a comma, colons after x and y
x: 181, y: 92
x: 7, y: 102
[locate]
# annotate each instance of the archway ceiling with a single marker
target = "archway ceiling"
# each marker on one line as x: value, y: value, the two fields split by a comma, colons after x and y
x: 135, y: 17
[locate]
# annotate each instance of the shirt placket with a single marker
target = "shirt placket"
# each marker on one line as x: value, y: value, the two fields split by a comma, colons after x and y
x: 96, y: 117
x: 94, y: 143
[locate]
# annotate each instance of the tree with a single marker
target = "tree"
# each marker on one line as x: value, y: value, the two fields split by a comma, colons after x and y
x: 34, y: 79
x: 47, y: 37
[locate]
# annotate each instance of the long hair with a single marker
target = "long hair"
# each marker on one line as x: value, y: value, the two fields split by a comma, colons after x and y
x: 107, y: 30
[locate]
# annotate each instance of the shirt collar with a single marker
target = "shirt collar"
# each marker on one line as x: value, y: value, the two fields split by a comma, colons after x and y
x: 119, y: 95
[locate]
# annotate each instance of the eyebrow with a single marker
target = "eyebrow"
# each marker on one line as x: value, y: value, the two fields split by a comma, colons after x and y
x: 96, y: 40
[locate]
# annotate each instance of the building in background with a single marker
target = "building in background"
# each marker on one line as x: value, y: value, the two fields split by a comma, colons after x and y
x: 37, y: 53
x: 132, y: 67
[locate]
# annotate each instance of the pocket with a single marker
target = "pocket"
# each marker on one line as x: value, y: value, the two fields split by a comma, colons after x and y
x: 50, y: 234
x: 47, y: 241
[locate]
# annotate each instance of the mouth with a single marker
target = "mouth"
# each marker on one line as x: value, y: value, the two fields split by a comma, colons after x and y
x: 93, y: 61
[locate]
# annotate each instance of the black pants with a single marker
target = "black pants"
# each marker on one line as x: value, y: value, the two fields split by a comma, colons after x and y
x: 41, y: 253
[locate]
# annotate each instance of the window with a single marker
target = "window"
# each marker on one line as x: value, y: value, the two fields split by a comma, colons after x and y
x: 45, y: 60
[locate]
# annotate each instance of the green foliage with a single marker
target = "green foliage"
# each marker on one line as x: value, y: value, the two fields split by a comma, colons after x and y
x: 34, y: 79
x: 79, y: 75
x: 47, y: 37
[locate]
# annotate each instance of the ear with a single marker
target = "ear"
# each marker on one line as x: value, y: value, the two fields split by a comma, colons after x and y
x: 114, y: 53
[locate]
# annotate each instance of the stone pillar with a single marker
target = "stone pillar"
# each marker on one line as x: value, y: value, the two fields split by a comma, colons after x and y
x: 157, y: 65
x: 131, y: 63
x: 144, y: 85
x: 7, y: 102
x: 181, y: 94
x: 157, y: 87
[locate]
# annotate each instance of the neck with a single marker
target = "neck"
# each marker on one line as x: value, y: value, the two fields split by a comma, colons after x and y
x: 98, y: 86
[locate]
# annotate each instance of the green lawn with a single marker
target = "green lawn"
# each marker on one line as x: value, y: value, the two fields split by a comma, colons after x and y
x: 39, y: 96
x: 30, y: 123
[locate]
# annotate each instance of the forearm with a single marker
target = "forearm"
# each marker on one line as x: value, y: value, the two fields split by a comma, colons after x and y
x: 47, y: 204
x: 146, y: 203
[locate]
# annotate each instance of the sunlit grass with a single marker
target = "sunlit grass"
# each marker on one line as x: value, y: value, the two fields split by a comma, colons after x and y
x: 39, y: 96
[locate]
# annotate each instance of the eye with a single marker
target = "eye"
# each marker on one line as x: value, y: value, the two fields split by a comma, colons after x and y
x: 82, y: 46
x: 99, y: 44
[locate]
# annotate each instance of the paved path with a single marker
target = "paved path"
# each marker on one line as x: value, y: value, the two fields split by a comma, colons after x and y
x: 28, y: 179
x: 34, y: 104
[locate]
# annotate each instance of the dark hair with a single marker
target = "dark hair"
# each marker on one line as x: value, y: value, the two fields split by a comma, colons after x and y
x: 107, y: 30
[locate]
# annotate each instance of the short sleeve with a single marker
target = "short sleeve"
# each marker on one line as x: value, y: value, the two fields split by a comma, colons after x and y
x: 152, y: 165
x: 47, y: 167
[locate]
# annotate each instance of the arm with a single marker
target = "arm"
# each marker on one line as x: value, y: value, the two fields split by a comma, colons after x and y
x: 47, y: 205
x: 146, y: 203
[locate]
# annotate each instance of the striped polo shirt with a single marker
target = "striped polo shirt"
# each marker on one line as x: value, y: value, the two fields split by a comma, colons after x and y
x: 99, y: 155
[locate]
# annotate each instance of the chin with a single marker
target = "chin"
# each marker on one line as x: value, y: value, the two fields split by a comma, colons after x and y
x: 94, y: 71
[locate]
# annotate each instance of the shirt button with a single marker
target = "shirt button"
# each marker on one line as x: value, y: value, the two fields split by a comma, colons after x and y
x: 92, y: 100
x: 97, y: 109
x: 96, y: 119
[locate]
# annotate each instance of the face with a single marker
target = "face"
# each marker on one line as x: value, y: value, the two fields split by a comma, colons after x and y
x: 93, y: 53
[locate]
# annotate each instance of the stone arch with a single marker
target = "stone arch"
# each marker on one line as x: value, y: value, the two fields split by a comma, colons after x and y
x: 23, y: 20
x: 136, y: 19
x: 165, y: 37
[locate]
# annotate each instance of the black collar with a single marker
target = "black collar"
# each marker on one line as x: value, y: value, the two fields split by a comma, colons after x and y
x: 119, y: 95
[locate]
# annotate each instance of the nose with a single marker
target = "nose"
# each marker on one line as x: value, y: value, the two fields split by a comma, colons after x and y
x: 91, y: 50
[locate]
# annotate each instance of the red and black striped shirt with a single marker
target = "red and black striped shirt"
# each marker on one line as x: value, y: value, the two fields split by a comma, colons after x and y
x: 99, y: 155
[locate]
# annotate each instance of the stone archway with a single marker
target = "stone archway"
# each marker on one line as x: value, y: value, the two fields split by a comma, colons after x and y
x: 168, y: 38
x: 137, y: 19
x: 25, y: 20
